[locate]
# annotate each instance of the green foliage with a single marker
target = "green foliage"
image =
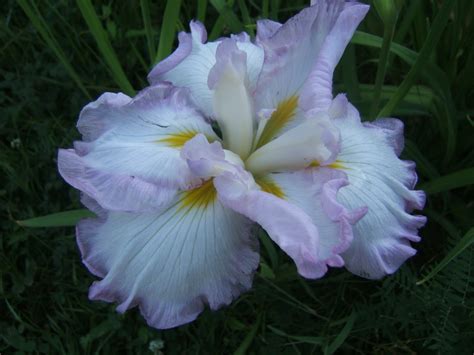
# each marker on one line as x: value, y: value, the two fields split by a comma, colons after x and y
x: 55, y: 54
x: 168, y: 29
x: 60, y: 219
x: 102, y: 39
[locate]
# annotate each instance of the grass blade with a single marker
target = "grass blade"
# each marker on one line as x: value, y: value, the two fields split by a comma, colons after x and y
x: 435, y: 77
x: 412, y: 8
x: 463, y: 244
x: 61, y: 219
x: 42, y: 27
x: 274, y: 9
x: 102, y: 39
x: 389, y: 19
x: 229, y: 16
x: 431, y: 72
x: 265, y: 8
x: 168, y: 29
x: 270, y: 248
x: 342, y: 336
x: 423, y: 165
x: 448, y: 226
x: 217, y: 28
x: 246, y: 17
x: 292, y: 300
x: 201, y: 10
x: 145, y: 7
x: 300, y: 338
x: 455, y: 180
x: 430, y: 43
x: 419, y: 101
x: 349, y: 73
x: 242, y: 349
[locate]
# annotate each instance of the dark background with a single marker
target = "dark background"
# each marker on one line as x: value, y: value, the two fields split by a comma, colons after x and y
x: 53, y: 61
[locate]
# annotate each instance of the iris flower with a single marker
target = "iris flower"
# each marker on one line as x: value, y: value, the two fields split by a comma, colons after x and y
x: 232, y: 134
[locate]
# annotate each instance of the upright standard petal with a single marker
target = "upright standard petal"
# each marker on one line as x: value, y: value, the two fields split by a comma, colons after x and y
x: 232, y: 103
x: 298, y: 49
x: 315, y: 141
x: 383, y: 183
x: 266, y: 29
x: 131, y: 160
x: 190, y: 64
x: 170, y: 263
x: 316, y: 93
x: 300, y: 57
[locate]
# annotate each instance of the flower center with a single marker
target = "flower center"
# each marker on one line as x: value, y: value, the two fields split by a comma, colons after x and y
x: 313, y: 140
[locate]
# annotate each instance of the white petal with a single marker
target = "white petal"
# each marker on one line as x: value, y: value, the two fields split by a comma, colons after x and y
x: 383, y: 183
x: 232, y: 104
x: 189, y: 66
x: 317, y: 90
x: 315, y: 192
x: 315, y: 140
x: 130, y: 157
x: 170, y: 264
x: 308, y: 45
x: 145, y: 138
x: 273, y: 123
x: 286, y: 224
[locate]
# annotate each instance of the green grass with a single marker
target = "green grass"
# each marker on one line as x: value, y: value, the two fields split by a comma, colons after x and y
x: 56, y: 55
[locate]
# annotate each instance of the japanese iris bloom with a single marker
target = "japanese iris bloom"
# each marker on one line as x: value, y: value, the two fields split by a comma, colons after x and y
x: 177, y: 203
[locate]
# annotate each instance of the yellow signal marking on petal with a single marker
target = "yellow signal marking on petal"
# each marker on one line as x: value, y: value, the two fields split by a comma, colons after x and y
x: 200, y: 197
x: 336, y: 165
x: 283, y: 114
x: 177, y: 140
x: 269, y: 185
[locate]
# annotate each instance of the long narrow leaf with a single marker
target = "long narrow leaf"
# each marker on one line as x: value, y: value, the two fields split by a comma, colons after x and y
x: 349, y: 73
x: 300, y: 338
x: 447, y: 225
x: 201, y: 10
x: 431, y: 71
x: 389, y: 19
x: 246, y: 17
x: 168, y: 29
x: 455, y: 180
x: 42, y: 27
x: 242, y: 349
x: 419, y: 100
x: 407, y: 19
x: 229, y: 16
x: 342, y: 336
x: 102, y: 39
x: 217, y: 28
x: 274, y: 9
x: 463, y: 244
x: 270, y: 248
x: 423, y: 165
x: 433, y: 75
x: 61, y: 219
x: 435, y: 33
x: 265, y: 8
x: 145, y: 7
